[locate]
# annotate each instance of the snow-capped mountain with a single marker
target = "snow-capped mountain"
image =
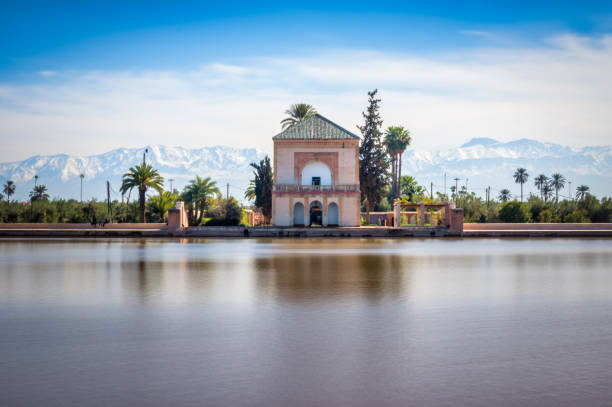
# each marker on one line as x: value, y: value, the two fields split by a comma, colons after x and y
x: 487, y: 162
x: 482, y: 162
x: 60, y: 173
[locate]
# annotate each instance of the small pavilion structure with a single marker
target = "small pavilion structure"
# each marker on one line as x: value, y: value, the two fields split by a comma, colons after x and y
x: 316, y: 175
x: 444, y: 215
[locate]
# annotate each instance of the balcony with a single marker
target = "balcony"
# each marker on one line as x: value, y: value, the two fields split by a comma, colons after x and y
x: 316, y: 188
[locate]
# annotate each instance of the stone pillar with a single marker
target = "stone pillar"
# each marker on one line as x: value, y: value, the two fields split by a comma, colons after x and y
x: 324, y: 210
x: 446, y: 215
x: 397, y: 210
x: 177, y: 218
x: 421, y: 214
x: 456, y: 221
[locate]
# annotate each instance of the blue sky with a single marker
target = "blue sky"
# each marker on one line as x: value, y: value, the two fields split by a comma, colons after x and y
x: 84, y: 77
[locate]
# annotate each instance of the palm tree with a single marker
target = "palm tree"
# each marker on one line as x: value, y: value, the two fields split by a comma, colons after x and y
x: 197, y: 193
x: 504, y: 195
x: 557, y: 182
x: 297, y: 113
x: 39, y: 193
x: 520, y: 177
x: 9, y: 189
x: 397, y: 139
x: 160, y: 204
x: 250, y: 194
x: 142, y: 177
x: 35, y: 180
x: 547, y: 190
x: 82, y: 176
x: 539, y: 183
x: 581, y: 191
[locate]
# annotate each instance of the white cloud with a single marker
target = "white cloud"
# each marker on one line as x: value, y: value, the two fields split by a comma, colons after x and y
x: 476, y: 33
x: 46, y: 74
x: 561, y: 92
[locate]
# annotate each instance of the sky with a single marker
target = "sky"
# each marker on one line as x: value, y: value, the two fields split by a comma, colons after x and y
x: 86, y: 77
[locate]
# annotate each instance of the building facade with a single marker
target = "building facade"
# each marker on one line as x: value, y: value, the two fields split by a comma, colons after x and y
x: 316, y: 175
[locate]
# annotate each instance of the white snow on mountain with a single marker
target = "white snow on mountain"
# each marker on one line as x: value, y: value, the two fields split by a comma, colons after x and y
x: 60, y: 173
x: 479, y: 163
x: 484, y: 162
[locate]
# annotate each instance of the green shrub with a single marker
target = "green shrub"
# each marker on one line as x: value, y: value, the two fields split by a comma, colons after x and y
x: 227, y: 213
x: 536, y: 205
x: 604, y: 211
x: 244, y: 219
x: 514, y: 212
x: 578, y: 216
x: 545, y: 216
x: 383, y: 206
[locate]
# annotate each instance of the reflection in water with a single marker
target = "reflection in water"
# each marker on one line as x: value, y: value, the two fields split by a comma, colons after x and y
x: 309, y: 277
x: 306, y: 322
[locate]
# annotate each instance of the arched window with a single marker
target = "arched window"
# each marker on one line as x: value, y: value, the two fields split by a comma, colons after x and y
x: 316, y: 173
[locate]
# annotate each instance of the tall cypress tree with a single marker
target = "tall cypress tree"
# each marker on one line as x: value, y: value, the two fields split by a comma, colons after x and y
x: 373, y: 160
x: 263, y: 187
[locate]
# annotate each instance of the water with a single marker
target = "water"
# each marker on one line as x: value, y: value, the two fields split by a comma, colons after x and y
x: 306, y: 322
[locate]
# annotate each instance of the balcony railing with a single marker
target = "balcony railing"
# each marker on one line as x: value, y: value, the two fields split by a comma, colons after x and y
x: 316, y: 188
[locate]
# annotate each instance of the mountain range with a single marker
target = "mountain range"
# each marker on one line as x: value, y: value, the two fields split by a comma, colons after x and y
x: 479, y: 163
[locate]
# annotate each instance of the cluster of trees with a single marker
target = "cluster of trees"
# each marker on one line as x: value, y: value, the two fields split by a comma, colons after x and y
x: 66, y: 211
x: 376, y: 155
x: 38, y: 193
x: 546, y: 186
x: 203, y: 200
x: 584, y: 210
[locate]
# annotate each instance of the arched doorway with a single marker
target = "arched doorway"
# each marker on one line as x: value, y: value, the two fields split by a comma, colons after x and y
x: 316, y: 213
x: 298, y: 214
x: 332, y: 214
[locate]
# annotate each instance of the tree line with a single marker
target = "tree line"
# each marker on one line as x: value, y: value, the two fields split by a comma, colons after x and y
x: 203, y: 202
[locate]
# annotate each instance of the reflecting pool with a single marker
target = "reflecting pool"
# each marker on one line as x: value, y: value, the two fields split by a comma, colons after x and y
x: 306, y: 322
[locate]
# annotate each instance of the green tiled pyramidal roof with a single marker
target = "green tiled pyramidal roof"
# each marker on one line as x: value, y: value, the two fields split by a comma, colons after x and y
x: 315, y: 127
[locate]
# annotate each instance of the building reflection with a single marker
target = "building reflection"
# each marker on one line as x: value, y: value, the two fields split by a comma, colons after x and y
x: 304, y: 277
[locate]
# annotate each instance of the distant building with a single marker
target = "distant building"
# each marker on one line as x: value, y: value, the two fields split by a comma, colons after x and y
x: 316, y: 175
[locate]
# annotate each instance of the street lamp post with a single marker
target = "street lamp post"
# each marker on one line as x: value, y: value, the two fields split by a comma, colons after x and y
x: 82, y: 176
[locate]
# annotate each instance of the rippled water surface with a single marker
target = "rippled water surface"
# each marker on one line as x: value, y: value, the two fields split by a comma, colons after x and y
x: 306, y: 322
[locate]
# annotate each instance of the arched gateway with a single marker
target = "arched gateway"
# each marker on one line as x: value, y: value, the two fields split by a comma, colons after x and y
x: 316, y: 214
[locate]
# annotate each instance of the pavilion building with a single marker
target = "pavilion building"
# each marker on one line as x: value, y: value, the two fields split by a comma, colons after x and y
x: 316, y: 175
